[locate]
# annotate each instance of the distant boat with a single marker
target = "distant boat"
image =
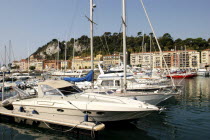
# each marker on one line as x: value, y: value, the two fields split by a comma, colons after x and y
x: 181, y: 75
x: 203, y: 72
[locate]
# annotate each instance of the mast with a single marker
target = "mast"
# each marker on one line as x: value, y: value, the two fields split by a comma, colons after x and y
x: 151, y: 53
x: 65, y: 58
x: 185, y: 59
x: 142, y: 44
x: 91, y: 38
x: 28, y: 61
x: 72, y: 67
x: 124, y: 43
x: 58, y: 57
x: 9, y: 54
x: 175, y: 59
x: 5, y: 60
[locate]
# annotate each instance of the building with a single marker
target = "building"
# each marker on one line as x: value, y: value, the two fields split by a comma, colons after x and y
x: 205, y: 58
x: 51, y: 64
x: 174, y: 59
x: 66, y: 64
x: 112, y: 60
x: 85, y: 62
x: 23, y: 65
x: 143, y: 59
x: 16, y: 64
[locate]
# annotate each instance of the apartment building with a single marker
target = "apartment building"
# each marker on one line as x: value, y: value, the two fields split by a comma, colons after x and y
x: 85, y: 62
x: 112, y: 60
x: 144, y: 59
x: 174, y: 59
x: 205, y: 58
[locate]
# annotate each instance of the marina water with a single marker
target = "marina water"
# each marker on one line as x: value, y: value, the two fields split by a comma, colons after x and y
x: 187, y: 116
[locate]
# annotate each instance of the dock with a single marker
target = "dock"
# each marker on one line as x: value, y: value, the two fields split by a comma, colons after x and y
x: 73, y: 124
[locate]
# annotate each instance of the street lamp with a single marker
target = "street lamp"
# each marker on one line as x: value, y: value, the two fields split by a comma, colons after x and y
x: 3, y: 69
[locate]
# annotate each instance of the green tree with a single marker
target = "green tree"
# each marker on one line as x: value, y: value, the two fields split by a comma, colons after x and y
x: 139, y: 34
x: 32, y: 68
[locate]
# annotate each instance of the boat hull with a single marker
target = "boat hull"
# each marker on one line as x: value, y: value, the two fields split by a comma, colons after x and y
x: 181, y: 76
x: 66, y: 115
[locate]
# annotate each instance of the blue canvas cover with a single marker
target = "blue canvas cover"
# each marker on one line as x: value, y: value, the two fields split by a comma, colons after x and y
x: 88, y: 77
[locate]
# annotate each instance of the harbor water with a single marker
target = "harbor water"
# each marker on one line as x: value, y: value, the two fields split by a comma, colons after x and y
x: 187, y: 116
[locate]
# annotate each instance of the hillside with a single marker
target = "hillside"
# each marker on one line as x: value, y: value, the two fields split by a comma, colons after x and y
x: 110, y: 43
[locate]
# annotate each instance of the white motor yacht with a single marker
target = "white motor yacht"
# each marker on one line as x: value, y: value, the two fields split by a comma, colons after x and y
x: 60, y: 100
x: 203, y: 72
x: 21, y: 76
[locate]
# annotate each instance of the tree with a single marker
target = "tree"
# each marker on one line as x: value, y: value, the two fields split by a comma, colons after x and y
x: 32, y: 68
x: 107, y: 34
x: 166, y: 41
x: 139, y: 34
x: 209, y: 41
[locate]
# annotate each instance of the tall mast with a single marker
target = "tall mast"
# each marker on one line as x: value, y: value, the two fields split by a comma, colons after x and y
x: 91, y: 33
x: 72, y: 67
x: 5, y: 53
x: 58, y: 57
x: 151, y: 53
x: 28, y: 60
x: 185, y: 59
x: 91, y: 38
x: 9, y: 53
x: 65, y: 58
x: 175, y: 58
x: 124, y: 43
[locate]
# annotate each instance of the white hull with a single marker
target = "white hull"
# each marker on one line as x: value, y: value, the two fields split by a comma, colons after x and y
x: 78, y: 115
x: 203, y: 73
x: 51, y: 103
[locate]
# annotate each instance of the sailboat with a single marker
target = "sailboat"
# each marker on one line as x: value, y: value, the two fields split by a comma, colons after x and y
x: 150, y: 97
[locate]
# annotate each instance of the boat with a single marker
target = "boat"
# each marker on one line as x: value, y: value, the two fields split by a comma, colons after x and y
x: 21, y: 76
x: 181, y: 75
x: 61, y: 100
x: 203, y: 72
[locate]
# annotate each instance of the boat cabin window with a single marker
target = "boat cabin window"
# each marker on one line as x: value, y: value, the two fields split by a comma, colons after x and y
x: 107, y: 83
x: 117, y: 83
x: 70, y: 90
x: 48, y: 90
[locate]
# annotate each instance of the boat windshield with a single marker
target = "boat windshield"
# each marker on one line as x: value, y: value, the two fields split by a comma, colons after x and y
x: 48, y: 90
x: 70, y: 90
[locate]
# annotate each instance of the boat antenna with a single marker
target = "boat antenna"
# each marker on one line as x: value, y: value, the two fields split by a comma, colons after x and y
x: 153, y: 31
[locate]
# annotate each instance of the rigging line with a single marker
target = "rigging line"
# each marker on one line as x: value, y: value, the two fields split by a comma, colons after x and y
x: 118, y: 37
x: 106, y: 44
x: 153, y: 44
x: 12, y: 52
x: 120, y: 31
x: 103, y: 44
x: 101, y: 40
x: 157, y: 42
x: 73, y: 19
x: 2, y: 57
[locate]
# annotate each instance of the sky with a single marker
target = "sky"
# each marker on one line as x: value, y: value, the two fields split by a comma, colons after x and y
x: 30, y: 24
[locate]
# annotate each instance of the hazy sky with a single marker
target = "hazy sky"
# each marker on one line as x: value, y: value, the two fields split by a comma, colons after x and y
x: 33, y: 23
